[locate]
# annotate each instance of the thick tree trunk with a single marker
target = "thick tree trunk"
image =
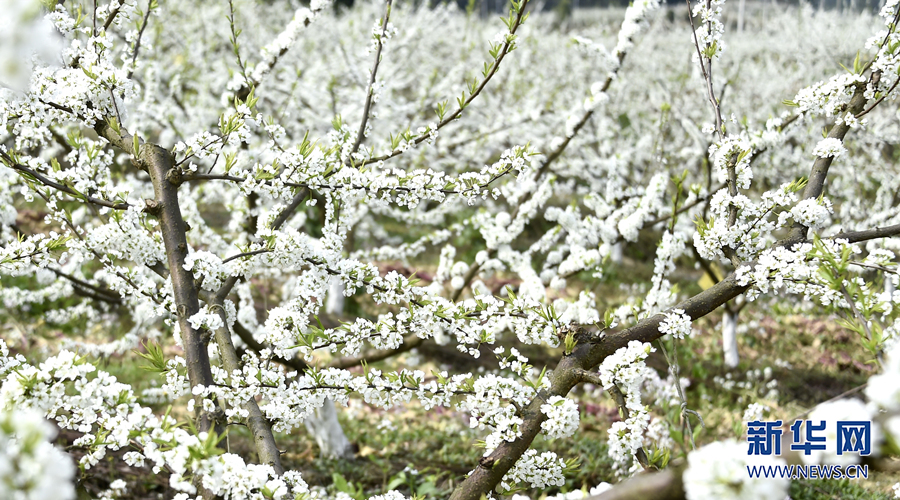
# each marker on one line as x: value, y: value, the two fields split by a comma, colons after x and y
x: 159, y: 163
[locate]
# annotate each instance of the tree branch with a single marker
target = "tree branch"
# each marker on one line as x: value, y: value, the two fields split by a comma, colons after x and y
x: 505, y: 49
x: 102, y: 294
x: 244, y: 334
x: 819, y: 172
x: 361, y: 134
x: 868, y: 234
x: 567, y: 374
x: 256, y: 422
x: 60, y: 187
x: 410, y: 342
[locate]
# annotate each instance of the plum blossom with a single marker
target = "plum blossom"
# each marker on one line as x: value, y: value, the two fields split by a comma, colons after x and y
x: 719, y: 470
x: 562, y: 417
x: 30, y: 467
x: 676, y: 323
x: 829, y: 147
x: 831, y: 413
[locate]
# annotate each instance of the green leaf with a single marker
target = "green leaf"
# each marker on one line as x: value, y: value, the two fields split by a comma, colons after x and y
x: 155, y: 356
x: 136, y: 145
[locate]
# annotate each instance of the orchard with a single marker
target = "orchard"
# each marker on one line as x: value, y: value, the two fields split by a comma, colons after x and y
x: 256, y: 249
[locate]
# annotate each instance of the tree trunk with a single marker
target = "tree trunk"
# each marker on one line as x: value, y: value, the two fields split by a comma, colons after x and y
x: 729, y: 338
x: 159, y: 163
x: 323, y: 424
x: 615, y: 253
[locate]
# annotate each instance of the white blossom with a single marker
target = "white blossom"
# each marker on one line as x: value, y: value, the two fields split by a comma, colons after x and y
x: 829, y: 147
x: 676, y: 323
x: 562, y: 417
x: 30, y: 467
x: 719, y: 470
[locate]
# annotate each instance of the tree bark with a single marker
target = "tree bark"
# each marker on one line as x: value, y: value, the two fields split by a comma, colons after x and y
x: 259, y: 427
x: 158, y: 162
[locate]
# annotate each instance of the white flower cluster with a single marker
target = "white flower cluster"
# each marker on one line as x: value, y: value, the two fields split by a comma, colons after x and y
x: 117, y: 490
x: 828, y: 98
x: 391, y: 495
x: 754, y: 412
x: 18, y: 256
x: 635, y: 21
x: 829, y: 148
x: 710, y: 28
x: 515, y: 362
x: 92, y: 90
x: 625, y: 438
x: 381, y: 34
x: 887, y: 59
x: 537, y: 471
x: 270, y: 53
x: 597, y: 97
x: 719, y: 470
x: 230, y: 478
x: 206, y: 267
x: 30, y: 467
x: 812, y: 213
x: 580, y: 312
x: 641, y: 209
x: 104, y: 407
x: 486, y: 408
x: 736, y: 153
x: 384, y: 186
x: 676, y: 323
x: 657, y: 435
x: 795, y: 270
x: 562, y: 417
x: 661, y: 295
x: 754, y: 222
x: 625, y: 370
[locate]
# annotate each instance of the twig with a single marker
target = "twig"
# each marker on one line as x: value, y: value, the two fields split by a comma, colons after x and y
x: 61, y: 187
x: 361, y: 134
x: 137, y: 44
x: 839, y: 396
x: 504, y: 50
